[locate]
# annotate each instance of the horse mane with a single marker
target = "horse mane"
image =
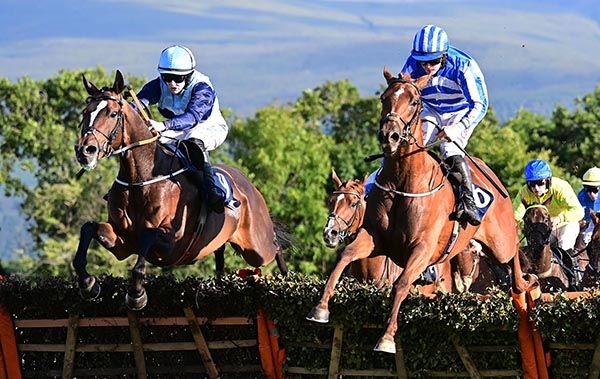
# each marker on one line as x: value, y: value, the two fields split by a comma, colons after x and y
x: 354, y: 185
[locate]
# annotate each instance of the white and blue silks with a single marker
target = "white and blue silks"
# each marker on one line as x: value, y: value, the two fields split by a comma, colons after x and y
x: 455, y: 94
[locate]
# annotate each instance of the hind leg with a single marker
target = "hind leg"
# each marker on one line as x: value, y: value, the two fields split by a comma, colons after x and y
x: 220, y: 261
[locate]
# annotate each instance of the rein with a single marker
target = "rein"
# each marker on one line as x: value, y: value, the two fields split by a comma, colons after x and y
x: 408, y: 138
x: 107, y: 148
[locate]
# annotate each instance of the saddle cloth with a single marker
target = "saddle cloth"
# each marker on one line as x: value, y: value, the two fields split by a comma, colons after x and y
x: 221, y: 179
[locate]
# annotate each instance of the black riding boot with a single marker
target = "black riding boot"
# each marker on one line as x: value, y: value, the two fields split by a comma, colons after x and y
x: 466, y: 209
x: 206, y: 182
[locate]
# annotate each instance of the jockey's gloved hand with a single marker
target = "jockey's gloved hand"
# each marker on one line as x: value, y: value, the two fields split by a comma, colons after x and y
x: 158, y: 126
x: 453, y: 132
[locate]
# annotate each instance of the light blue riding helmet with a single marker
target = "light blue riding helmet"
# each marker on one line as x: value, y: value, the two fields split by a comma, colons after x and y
x: 431, y: 42
x: 177, y: 60
x: 537, y: 169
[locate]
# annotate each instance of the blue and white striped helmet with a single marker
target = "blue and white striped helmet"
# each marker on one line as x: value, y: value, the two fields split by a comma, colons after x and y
x: 177, y: 60
x: 431, y: 42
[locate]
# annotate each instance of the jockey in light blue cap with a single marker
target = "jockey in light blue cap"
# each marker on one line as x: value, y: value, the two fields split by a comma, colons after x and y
x: 187, y: 99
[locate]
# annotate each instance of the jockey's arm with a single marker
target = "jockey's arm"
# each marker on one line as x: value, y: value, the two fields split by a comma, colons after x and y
x: 474, y: 89
x: 566, y: 199
x: 198, y: 109
x: 149, y: 94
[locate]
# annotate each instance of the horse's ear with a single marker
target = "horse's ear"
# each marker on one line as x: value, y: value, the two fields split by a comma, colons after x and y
x: 547, y: 202
x: 119, y: 84
x: 364, y: 181
x: 336, y: 180
x: 91, y: 89
x: 387, y: 74
x: 422, y: 81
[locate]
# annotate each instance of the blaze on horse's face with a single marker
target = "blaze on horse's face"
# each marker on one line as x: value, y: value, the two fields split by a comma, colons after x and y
x: 400, y: 112
x: 346, y: 210
x: 102, y: 123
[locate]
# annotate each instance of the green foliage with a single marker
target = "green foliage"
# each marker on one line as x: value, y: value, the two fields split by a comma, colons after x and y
x: 426, y: 326
x: 288, y: 152
x: 287, y: 161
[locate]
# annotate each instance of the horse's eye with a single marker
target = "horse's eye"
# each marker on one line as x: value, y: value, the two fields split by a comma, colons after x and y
x: 414, y: 103
x: 114, y: 114
x: 353, y: 205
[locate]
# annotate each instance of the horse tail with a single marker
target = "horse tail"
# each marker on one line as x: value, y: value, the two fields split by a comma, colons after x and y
x: 283, y: 238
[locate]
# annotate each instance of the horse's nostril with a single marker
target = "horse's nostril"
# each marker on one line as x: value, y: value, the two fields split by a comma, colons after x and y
x: 90, y: 150
x: 395, y: 137
x: 333, y: 233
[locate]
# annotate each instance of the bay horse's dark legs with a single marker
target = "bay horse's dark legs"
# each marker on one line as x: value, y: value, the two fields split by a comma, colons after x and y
x: 136, y: 298
x: 88, y: 285
x: 281, y: 263
x: 417, y: 263
x: 360, y: 248
x: 220, y: 261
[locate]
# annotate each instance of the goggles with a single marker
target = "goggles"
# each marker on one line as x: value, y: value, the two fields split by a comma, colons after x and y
x: 167, y: 78
x: 536, y: 183
x: 432, y: 62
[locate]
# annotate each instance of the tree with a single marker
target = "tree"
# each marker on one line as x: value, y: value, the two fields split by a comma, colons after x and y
x: 287, y: 159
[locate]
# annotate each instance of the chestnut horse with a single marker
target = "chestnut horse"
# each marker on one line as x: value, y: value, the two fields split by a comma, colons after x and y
x: 153, y: 209
x: 347, y: 205
x: 408, y: 211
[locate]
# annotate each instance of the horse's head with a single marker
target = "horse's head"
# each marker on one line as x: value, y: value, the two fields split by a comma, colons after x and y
x: 593, y: 247
x: 346, y: 210
x: 537, y: 229
x: 401, y: 107
x: 102, y: 126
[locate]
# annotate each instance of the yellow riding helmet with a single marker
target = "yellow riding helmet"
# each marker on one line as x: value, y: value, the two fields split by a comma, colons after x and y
x: 592, y: 177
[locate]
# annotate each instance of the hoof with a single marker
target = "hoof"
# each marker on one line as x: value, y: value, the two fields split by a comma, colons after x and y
x: 385, y: 346
x: 318, y: 315
x: 91, y: 291
x: 136, y: 303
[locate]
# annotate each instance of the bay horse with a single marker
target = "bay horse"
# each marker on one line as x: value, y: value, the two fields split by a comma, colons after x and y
x: 408, y: 211
x: 346, y: 206
x: 153, y: 209
x: 591, y: 275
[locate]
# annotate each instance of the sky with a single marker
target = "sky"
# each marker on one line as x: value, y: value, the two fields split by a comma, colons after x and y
x: 534, y: 54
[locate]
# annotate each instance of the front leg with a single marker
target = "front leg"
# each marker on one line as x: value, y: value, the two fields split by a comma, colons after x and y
x: 360, y: 248
x: 416, y: 264
x: 105, y: 235
x: 136, y: 297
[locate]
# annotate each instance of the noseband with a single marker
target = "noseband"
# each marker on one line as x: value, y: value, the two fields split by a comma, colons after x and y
x: 348, y: 223
x: 407, y: 135
x: 106, y: 147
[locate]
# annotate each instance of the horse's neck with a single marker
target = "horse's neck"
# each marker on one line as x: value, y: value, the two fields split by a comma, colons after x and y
x: 137, y: 164
x: 415, y: 172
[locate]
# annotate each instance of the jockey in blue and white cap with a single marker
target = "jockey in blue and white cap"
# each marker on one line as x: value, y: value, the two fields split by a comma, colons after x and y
x: 454, y: 102
x: 187, y: 99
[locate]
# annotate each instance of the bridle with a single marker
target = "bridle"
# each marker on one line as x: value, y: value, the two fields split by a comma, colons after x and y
x: 106, y: 147
x: 407, y: 136
x: 533, y: 230
x: 345, y: 232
